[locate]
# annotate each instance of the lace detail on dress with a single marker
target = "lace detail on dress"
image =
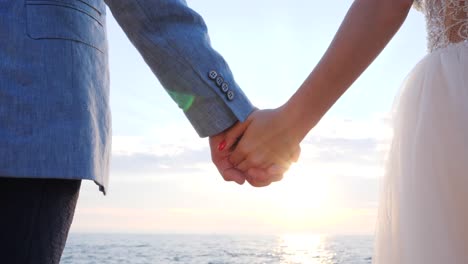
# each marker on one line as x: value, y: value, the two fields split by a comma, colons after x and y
x: 447, y: 21
x: 418, y: 4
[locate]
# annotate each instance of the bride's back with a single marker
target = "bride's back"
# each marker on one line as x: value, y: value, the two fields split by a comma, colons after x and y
x: 447, y: 21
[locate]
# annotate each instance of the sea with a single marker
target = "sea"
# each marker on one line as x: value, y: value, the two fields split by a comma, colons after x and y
x: 217, y: 249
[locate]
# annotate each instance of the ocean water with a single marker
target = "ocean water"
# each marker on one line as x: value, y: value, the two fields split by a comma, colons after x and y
x: 217, y: 249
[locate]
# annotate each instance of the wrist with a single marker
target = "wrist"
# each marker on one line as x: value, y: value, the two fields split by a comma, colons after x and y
x: 297, y: 120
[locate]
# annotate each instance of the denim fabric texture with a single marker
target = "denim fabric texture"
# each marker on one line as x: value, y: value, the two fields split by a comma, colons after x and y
x: 55, y: 120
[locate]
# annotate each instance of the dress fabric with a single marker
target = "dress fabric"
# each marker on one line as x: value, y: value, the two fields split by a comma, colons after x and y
x: 423, y: 210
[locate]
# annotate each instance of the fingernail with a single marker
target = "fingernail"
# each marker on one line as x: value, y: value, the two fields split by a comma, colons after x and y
x: 222, y: 145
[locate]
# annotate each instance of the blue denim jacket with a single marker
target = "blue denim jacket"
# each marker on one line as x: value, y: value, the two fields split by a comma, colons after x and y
x: 55, y: 120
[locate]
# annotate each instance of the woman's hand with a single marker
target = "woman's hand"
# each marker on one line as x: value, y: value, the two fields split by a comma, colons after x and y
x: 221, y: 149
x: 268, y: 140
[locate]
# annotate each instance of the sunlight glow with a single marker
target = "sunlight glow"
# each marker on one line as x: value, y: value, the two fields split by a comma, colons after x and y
x: 162, y: 179
x: 306, y: 200
x: 303, y: 248
x: 304, y: 190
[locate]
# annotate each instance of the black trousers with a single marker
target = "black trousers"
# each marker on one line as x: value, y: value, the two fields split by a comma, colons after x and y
x: 35, y: 217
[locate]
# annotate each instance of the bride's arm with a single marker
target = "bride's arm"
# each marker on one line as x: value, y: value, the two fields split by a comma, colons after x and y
x: 365, y: 31
x: 273, y: 136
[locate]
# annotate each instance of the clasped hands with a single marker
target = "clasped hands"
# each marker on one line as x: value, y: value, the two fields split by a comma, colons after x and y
x: 259, y: 150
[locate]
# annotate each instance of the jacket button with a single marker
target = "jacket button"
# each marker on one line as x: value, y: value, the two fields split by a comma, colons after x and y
x: 230, y: 95
x: 225, y: 87
x: 219, y: 81
x: 212, y: 75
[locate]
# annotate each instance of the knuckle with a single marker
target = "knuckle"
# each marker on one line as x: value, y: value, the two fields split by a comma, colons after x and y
x: 278, y: 178
x: 263, y: 184
x: 226, y: 178
x: 258, y: 182
x: 263, y: 177
x: 255, y: 160
x: 258, y: 173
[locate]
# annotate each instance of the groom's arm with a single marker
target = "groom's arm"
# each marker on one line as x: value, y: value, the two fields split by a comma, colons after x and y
x: 174, y: 42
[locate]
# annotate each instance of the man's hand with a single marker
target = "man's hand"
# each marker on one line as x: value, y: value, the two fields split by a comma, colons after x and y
x: 221, y: 160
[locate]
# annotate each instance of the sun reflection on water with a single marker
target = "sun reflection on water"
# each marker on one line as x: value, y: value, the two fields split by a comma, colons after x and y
x: 304, y: 249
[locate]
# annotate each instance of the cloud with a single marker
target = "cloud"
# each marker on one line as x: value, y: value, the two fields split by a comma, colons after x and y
x: 336, y: 147
x: 167, y: 178
x: 351, y: 154
x: 162, y: 150
x: 185, y: 162
x: 348, y: 145
x: 170, y: 139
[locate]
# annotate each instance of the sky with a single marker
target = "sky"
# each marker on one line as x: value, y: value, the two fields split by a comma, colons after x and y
x: 162, y: 180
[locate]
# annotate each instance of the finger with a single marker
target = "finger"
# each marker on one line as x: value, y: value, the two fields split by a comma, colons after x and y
x: 259, y: 161
x: 279, y: 165
x: 252, y: 161
x: 217, y: 157
x: 297, y: 153
x: 233, y: 135
x: 244, y: 166
x: 233, y: 175
x: 277, y: 169
x: 255, y: 182
x: 215, y: 142
x: 277, y: 177
x: 239, y: 154
x: 227, y: 171
x: 283, y: 158
x: 241, y: 151
x: 263, y: 175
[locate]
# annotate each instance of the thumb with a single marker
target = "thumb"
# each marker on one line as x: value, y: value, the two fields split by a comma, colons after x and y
x: 296, y: 154
x: 233, y: 134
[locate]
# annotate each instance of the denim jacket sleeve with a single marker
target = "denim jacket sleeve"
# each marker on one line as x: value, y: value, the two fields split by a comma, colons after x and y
x: 173, y: 40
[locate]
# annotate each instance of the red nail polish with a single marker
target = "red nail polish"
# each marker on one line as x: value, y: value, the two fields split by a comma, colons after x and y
x: 222, y: 145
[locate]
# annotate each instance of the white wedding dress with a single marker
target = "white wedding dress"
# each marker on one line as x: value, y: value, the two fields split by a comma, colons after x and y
x: 423, y: 214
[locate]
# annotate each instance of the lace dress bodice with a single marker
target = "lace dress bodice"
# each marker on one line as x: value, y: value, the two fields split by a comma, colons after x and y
x: 447, y: 21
